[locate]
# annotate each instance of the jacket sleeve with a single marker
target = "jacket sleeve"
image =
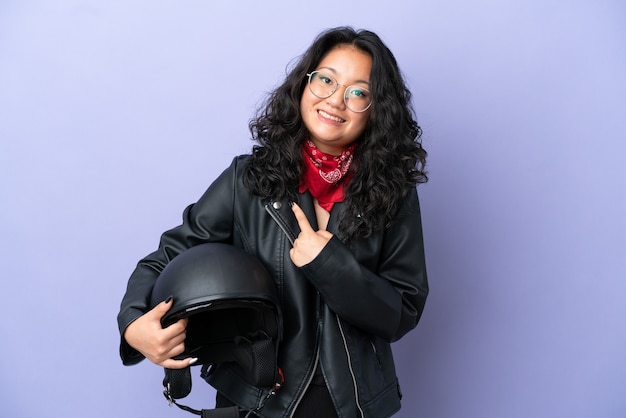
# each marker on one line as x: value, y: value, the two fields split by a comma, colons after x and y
x: 208, y: 220
x: 388, y: 300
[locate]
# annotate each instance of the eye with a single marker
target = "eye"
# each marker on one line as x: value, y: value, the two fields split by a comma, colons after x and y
x: 359, y: 93
x: 325, y: 79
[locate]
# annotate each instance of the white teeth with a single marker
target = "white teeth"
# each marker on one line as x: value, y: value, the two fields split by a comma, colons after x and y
x: 327, y: 116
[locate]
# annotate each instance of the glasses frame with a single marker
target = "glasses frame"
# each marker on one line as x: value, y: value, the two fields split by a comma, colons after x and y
x: 337, y: 84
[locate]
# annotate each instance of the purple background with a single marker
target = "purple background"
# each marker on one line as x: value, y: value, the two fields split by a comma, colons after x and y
x: 114, y: 115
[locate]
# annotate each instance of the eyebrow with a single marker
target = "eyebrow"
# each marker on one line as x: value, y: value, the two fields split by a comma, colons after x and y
x: 335, y: 72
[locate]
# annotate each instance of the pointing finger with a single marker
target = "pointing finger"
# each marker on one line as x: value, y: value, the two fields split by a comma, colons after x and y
x: 303, y: 222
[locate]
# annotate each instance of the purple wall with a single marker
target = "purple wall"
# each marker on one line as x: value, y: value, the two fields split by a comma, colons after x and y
x: 114, y: 116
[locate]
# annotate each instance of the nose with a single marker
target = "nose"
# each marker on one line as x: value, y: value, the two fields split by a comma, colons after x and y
x: 337, y: 98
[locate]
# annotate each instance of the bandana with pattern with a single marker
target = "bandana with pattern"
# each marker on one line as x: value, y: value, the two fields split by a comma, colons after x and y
x: 323, y: 173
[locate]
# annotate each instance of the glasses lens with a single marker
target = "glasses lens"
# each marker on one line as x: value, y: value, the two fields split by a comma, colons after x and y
x: 358, y: 99
x: 322, y: 84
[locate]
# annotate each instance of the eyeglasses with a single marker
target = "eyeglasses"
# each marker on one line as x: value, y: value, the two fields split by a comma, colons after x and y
x: 322, y: 84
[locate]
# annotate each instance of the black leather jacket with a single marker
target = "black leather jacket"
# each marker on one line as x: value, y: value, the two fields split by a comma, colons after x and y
x: 340, y: 312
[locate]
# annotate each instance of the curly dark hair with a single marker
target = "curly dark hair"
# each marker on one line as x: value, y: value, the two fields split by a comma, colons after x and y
x: 388, y: 161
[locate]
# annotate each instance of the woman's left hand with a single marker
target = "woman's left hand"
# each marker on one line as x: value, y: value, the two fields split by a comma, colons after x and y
x: 309, y: 242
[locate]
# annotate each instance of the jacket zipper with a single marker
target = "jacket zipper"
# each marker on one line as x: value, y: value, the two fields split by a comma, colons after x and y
x: 279, y: 221
x: 308, y: 383
x: 317, y: 355
x: 271, y: 209
x: 345, y: 346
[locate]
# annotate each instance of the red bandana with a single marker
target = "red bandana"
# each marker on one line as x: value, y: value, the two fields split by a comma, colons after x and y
x: 323, y: 172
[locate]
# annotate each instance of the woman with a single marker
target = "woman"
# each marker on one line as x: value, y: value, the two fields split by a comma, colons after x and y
x: 327, y: 202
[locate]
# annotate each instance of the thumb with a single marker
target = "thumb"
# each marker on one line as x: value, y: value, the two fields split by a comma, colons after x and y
x: 324, y: 233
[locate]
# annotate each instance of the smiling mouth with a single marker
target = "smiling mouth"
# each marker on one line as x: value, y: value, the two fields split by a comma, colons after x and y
x: 331, y: 117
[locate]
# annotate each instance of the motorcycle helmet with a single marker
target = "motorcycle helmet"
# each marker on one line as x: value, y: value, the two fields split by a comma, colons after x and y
x: 233, y: 312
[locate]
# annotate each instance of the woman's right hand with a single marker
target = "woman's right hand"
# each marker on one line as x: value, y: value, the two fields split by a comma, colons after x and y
x: 158, y: 344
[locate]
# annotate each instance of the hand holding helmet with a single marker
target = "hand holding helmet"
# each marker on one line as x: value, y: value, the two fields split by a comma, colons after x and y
x: 159, y: 345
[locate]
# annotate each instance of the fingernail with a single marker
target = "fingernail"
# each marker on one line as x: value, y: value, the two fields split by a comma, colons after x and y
x: 169, y: 299
x: 193, y: 360
x: 291, y: 204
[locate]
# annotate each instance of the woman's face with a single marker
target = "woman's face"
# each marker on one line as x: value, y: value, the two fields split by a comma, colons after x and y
x: 331, y: 125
